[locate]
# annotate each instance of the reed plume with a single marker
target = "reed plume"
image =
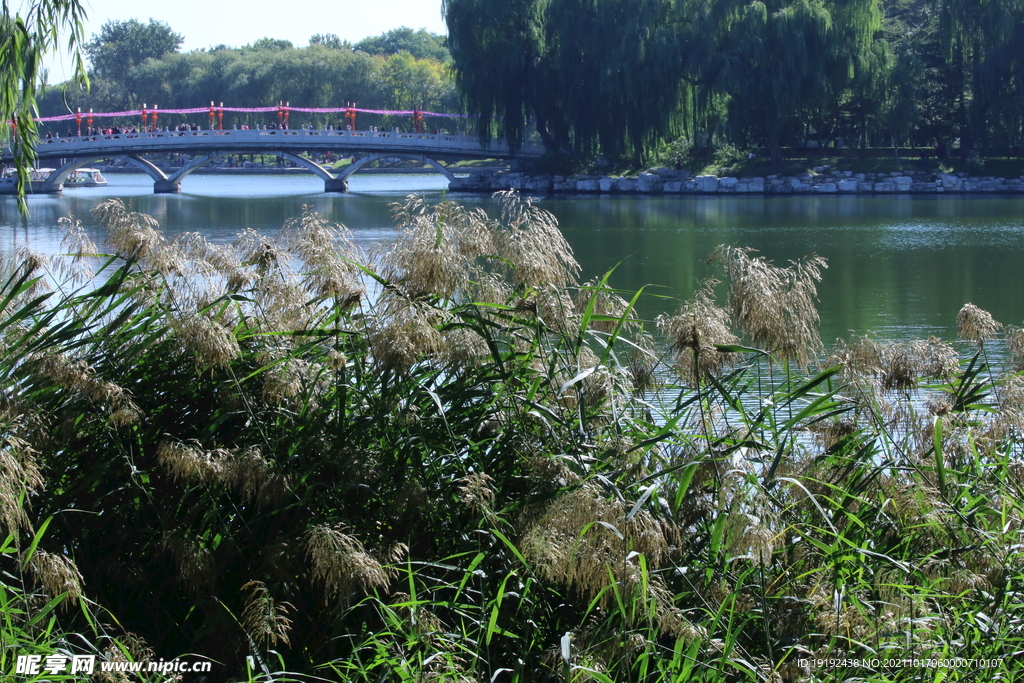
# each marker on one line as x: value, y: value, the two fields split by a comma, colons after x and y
x: 340, y: 562
x: 696, y: 330
x: 264, y: 619
x: 775, y: 306
x: 975, y: 324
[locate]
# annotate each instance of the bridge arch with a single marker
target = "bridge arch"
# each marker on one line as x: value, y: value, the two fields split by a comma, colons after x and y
x: 164, y: 183
x: 65, y: 169
x: 422, y: 158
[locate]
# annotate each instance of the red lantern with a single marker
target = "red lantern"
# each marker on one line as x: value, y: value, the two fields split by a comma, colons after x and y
x: 88, y: 120
x: 78, y: 121
x: 286, y: 113
x: 211, y: 115
x: 220, y: 117
x: 154, y: 118
x: 145, y: 117
x: 350, y: 117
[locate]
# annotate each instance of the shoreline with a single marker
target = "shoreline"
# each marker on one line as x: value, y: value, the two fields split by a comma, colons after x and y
x: 665, y: 181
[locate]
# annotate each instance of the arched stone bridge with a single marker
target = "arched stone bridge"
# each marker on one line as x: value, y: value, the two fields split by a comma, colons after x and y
x: 68, y: 154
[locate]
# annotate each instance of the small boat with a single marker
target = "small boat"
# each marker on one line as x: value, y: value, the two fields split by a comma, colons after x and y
x: 85, y: 177
x: 36, y: 181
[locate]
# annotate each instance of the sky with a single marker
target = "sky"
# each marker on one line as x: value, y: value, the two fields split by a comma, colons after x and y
x: 206, y: 23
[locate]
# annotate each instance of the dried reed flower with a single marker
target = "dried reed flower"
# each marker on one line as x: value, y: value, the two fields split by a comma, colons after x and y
x: 832, y: 432
x: 695, y: 330
x: 462, y: 348
x: 1015, y: 345
x: 57, y: 574
x: 19, y: 474
x: 247, y: 472
x: 285, y: 379
x: 581, y: 535
x: 212, y: 344
x: 899, y: 371
x: 264, y: 619
x: 125, y: 413
x: 861, y: 357
x: 341, y: 562
x: 756, y: 540
x: 476, y: 491
x: 641, y: 361
x: 282, y: 305
x: 194, y: 561
x: 671, y: 619
x: 403, y: 332
x: 554, y: 307
x: 78, y: 248
x: 897, y: 365
x: 135, y: 236
x: 438, y: 249
x: 128, y: 647
x: 188, y: 461
x: 327, y: 253
x: 775, y: 306
x: 529, y: 239
x: 975, y: 324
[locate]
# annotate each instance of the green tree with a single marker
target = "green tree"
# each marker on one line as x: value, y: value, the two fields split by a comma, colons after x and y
x: 330, y: 40
x: 122, y: 46
x: 495, y: 48
x: 272, y: 44
x: 421, y: 44
x: 783, y: 60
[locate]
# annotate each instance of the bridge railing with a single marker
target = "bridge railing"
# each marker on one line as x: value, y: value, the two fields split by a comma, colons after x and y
x: 257, y: 139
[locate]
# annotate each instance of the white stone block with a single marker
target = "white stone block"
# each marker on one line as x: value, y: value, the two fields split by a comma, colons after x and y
x: 707, y: 183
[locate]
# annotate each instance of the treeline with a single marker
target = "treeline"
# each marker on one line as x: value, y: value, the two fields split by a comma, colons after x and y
x: 623, y: 76
x: 132, y: 63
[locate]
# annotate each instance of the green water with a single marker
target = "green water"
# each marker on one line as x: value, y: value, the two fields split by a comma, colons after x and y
x: 900, y: 266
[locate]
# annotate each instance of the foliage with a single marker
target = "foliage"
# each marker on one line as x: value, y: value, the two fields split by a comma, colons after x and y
x: 122, y: 46
x: 24, y: 40
x: 325, y: 74
x: 625, y: 78
x: 450, y: 461
x: 421, y: 44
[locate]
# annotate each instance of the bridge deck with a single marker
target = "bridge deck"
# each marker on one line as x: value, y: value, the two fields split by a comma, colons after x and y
x: 268, y: 141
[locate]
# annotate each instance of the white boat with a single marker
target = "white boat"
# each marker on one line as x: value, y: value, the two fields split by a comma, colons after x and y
x: 36, y: 180
x: 85, y: 177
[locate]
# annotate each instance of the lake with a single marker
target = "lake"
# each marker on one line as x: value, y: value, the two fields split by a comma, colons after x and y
x: 901, y: 266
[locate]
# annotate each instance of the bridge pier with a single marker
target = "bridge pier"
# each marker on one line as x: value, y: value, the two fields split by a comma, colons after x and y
x: 167, y: 186
x: 336, y: 185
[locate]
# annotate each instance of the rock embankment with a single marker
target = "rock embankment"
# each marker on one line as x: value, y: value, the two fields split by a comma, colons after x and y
x: 667, y: 181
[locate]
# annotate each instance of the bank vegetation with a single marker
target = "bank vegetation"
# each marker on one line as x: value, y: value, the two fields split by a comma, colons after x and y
x: 448, y: 460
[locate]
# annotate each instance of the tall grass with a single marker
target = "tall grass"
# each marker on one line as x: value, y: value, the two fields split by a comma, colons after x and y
x: 485, y: 471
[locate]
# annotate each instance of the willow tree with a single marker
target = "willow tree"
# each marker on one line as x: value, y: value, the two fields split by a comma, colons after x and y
x: 591, y: 74
x: 984, y: 51
x: 781, y: 60
x: 617, y: 67
x: 25, y: 38
x: 495, y: 47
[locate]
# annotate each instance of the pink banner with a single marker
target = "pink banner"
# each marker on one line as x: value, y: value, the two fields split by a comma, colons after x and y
x: 250, y: 110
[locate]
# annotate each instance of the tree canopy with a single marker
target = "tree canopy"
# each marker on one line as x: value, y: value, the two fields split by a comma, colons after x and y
x: 621, y: 77
x: 327, y: 73
x: 123, y: 45
x: 421, y: 44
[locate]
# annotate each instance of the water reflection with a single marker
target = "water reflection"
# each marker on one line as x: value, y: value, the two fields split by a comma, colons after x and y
x: 902, y: 266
